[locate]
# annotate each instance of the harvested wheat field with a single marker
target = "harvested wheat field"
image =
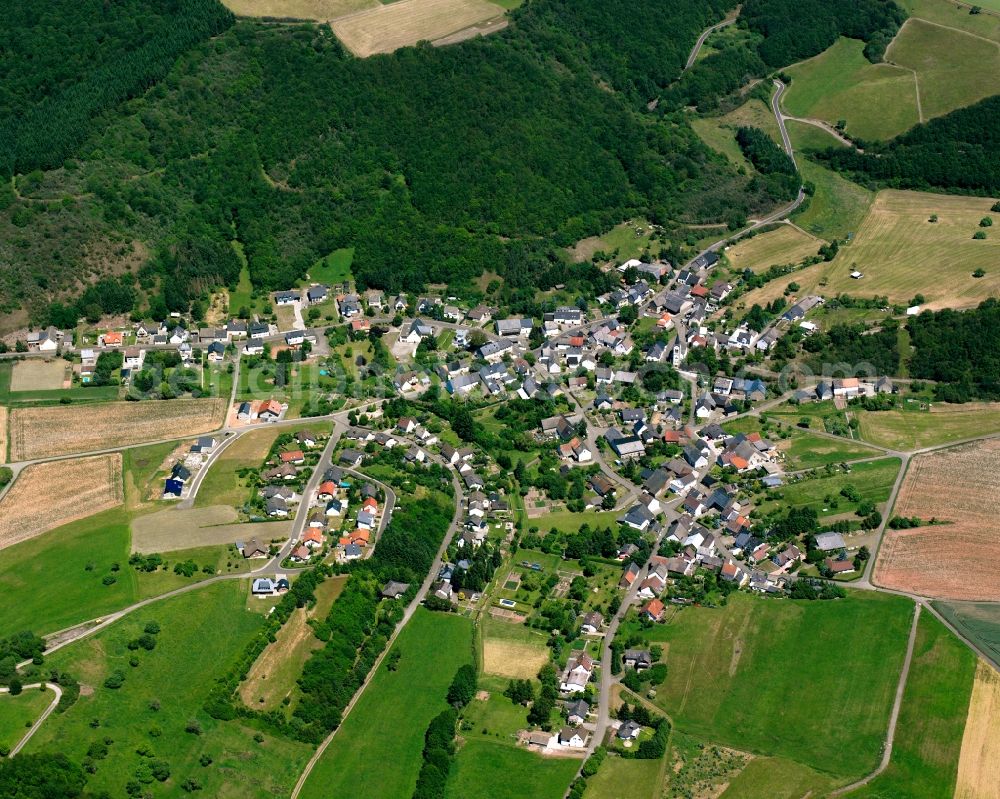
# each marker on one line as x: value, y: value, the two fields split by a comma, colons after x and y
x: 955, y: 560
x: 176, y: 528
x: 34, y: 374
x: 63, y: 429
x: 979, y: 764
x: 386, y: 28
x: 320, y: 10
x: 48, y: 495
x: 785, y: 244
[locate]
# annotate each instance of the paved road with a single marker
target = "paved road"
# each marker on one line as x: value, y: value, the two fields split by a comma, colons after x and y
x: 701, y: 41
x: 45, y: 713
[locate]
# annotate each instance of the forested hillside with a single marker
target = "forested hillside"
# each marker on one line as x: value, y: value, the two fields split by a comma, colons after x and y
x: 434, y: 164
x: 957, y: 152
x: 64, y: 61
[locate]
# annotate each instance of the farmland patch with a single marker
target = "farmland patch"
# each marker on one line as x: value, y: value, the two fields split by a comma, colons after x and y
x: 47, y: 495
x: 954, y: 560
x: 63, y: 429
x: 320, y: 10
x: 388, y: 27
x: 785, y: 244
x: 979, y: 764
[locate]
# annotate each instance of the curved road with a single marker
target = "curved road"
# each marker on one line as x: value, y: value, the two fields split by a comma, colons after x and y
x: 45, y: 713
x: 701, y: 41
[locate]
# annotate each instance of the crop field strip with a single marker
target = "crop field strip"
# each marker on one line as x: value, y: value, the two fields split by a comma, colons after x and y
x: 979, y: 763
x: 954, y: 560
x: 48, y: 495
x: 385, y: 28
x: 62, y: 429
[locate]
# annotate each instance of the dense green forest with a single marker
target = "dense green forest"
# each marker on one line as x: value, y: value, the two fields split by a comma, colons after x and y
x: 848, y: 350
x: 62, y: 62
x: 797, y: 29
x: 957, y: 152
x: 958, y: 349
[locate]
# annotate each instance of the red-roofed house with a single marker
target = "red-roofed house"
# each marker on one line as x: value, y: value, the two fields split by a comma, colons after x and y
x: 296, y: 456
x: 653, y: 610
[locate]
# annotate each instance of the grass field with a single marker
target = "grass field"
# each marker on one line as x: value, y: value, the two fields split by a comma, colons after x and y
x: 925, y: 753
x: 385, y: 28
x: 953, y: 69
x: 719, y: 132
x: 202, y: 633
x: 222, y: 485
x: 185, y: 528
x: 273, y: 675
x: 50, y: 394
x: 776, y: 778
x: 63, y: 429
x: 783, y: 245
x: 617, y: 777
x: 335, y: 267
x: 569, y: 522
x: 872, y: 479
x: 386, y: 727
x: 18, y: 713
x: 487, y: 770
x: 320, y: 10
x: 878, y: 101
x: 512, y: 650
x: 979, y: 764
x: 48, y: 495
x: 909, y: 429
x: 731, y: 681
x: 953, y: 15
x: 34, y: 374
x: 977, y: 621
x: 802, y: 449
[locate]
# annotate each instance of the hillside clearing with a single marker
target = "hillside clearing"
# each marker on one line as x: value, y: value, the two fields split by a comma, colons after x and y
x: 954, y: 560
x: 386, y: 28
x: 319, y: 10
x: 979, y: 764
x: 877, y: 101
x: 62, y: 429
x: 953, y: 69
x: 85, y: 486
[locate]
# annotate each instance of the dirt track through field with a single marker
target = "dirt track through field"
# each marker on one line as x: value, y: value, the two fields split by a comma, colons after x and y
x: 49, y: 495
x: 956, y: 560
x: 979, y: 764
x: 64, y: 429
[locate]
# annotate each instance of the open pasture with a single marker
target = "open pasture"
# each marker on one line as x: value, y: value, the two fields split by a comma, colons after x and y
x: 877, y: 101
x: 222, y: 485
x: 319, y: 10
x: 63, y: 429
x: 786, y: 244
x: 185, y: 528
x: 925, y: 753
x: 979, y: 764
x: 202, y: 634
x: 952, y: 68
x: 18, y: 713
x: 386, y: 28
x: 910, y: 429
x: 955, y: 560
x: 47, y: 495
x: 487, y: 770
x: 757, y: 702
x: 34, y: 374
x: 377, y: 750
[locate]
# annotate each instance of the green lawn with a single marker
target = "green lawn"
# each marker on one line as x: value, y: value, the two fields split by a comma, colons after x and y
x: 637, y: 779
x: 334, y: 268
x: 928, y: 742
x: 910, y: 428
x: 872, y: 479
x: 377, y: 751
x: 569, y: 522
x: 487, y: 770
x: 18, y: 713
x: 878, y: 101
x: 202, y: 633
x: 805, y: 681
x: 802, y: 449
x: 776, y: 778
